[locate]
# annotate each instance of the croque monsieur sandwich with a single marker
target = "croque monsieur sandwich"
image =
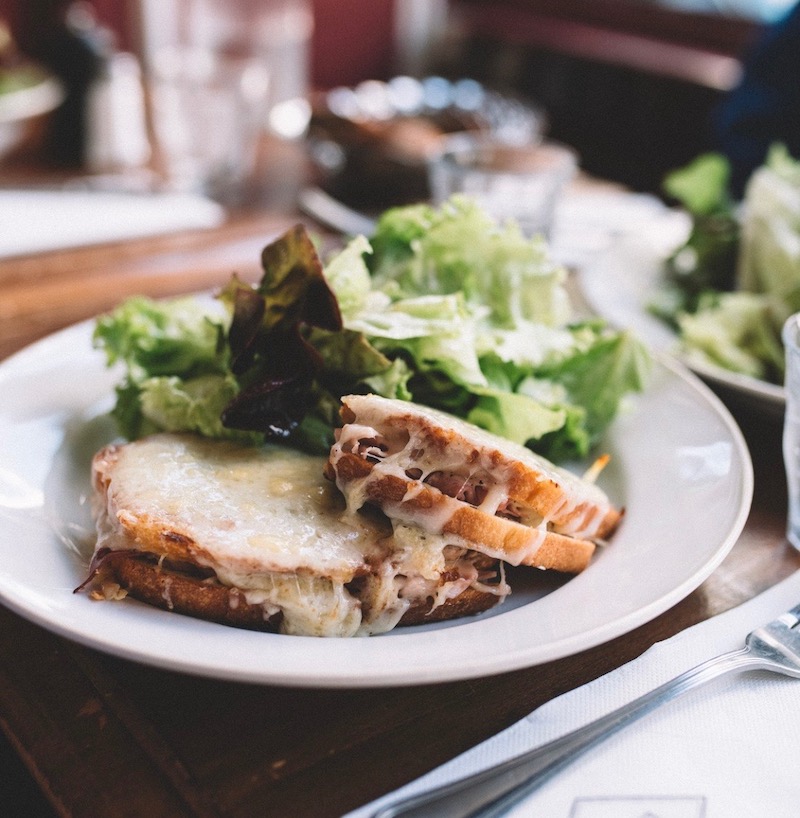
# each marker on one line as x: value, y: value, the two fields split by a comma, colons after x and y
x: 258, y: 538
x: 409, y: 520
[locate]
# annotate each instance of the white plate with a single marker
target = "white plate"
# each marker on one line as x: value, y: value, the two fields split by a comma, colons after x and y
x: 679, y: 466
x: 619, y: 284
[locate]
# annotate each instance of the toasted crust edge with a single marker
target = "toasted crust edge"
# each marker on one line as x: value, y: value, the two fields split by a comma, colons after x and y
x: 172, y: 590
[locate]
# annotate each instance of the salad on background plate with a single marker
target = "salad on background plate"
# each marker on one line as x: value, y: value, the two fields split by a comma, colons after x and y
x: 719, y: 298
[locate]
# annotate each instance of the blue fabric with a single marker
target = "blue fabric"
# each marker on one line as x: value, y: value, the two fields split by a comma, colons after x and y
x: 765, y: 106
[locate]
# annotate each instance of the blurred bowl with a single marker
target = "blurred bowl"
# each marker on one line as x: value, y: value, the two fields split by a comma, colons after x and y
x: 371, y: 144
x: 25, y: 94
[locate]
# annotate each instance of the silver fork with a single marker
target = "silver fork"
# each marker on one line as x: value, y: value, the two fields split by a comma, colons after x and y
x: 492, y: 792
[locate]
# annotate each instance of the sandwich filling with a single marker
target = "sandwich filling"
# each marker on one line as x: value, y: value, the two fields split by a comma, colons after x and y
x: 265, y: 524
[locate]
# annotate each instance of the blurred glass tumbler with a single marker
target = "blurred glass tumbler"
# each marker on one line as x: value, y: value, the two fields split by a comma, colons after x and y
x: 519, y: 182
x: 791, y: 426
x: 208, y: 110
x: 222, y: 74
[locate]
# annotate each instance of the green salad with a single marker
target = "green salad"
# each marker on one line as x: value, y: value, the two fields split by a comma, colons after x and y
x: 734, y: 282
x: 441, y: 306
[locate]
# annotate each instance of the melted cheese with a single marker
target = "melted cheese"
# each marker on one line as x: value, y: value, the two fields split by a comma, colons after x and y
x: 248, y: 510
x: 268, y: 523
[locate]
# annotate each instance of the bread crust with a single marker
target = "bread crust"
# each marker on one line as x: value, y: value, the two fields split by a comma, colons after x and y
x: 468, y: 603
x: 157, y: 584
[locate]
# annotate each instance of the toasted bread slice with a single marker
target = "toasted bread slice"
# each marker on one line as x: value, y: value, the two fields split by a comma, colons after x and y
x: 258, y: 538
x: 178, y: 588
x: 431, y: 469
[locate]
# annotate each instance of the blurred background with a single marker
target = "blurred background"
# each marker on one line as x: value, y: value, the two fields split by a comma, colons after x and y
x: 630, y: 84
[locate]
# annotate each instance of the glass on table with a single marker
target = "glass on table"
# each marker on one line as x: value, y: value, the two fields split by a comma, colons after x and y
x: 208, y: 111
x: 221, y: 74
x: 791, y: 427
x: 522, y: 182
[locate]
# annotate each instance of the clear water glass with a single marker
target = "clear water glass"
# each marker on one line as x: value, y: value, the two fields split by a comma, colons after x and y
x: 791, y: 427
x: 522, y: 182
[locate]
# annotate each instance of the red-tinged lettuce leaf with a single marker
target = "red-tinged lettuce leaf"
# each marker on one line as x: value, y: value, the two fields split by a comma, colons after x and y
x: 275, y: 407
x: 276, y: 397
x: 248, y: 317
x: 269, y: 354
x: 294, y: 288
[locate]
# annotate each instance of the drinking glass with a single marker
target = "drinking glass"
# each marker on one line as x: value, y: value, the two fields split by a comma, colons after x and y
x: 221, y: 74
x: 522, y: 182
x: 791, y: 426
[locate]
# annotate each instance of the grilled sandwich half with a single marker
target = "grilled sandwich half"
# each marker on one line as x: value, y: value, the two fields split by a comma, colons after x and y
x: 428, y: 470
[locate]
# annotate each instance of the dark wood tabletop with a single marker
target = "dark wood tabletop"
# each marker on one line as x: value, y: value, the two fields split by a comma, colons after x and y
x: 87, y: 734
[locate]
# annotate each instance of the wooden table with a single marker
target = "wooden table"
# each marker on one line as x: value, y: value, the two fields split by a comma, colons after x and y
x: 101, y: 736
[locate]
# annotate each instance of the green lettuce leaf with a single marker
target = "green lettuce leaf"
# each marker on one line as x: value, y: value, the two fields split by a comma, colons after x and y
x: 515, y: 416
x: 597, y: 377
x: 460, y: 249
x: 702, y: 186
x: 770, y: 253
x: 175, y: 404
x: 348, y: 276
x: 176, y: 339
x: 707, y: 260
x: 740, y: 332
x: 435, y: 331
x: 180, y: 336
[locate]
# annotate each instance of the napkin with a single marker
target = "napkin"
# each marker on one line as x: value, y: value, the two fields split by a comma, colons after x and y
x: 728, y: 749
x: 33, y: 221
